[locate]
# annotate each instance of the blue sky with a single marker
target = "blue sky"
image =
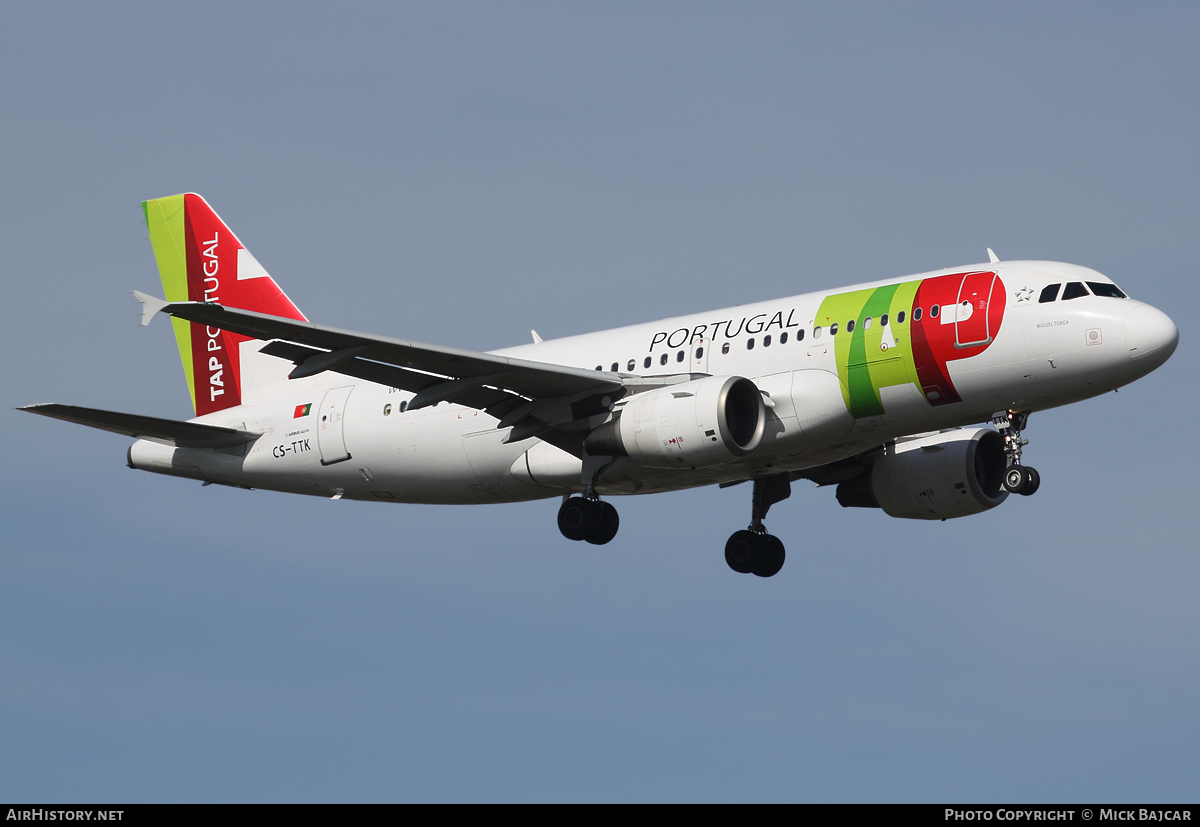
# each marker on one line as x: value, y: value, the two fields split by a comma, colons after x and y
x: 460, y: 173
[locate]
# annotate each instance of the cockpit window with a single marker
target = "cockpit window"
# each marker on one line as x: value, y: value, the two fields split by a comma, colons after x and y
x: 1111, y: 291
x: 1074, y: 290
x: 1049, y: 293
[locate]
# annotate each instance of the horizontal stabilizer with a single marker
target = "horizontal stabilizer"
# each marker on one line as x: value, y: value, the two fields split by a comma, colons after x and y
x: 150, y: 305
x: 165, y: 431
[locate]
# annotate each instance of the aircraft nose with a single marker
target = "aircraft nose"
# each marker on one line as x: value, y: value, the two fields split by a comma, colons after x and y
x: 1150, y: 335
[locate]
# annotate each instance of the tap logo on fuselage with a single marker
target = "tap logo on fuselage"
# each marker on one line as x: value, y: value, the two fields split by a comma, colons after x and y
x: 908, y: 333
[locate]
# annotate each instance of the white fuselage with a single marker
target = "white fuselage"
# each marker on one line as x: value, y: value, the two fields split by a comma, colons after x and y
x: 357, y: 442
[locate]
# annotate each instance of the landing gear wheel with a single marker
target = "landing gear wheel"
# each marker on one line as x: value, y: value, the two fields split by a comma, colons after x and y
x: 1032, y: 480
x: 606, y: 529
x: 579, y: 518
x: 748, y: 552
x: 1016, y: 479
x: 771, y: 556
x: 741, y: 551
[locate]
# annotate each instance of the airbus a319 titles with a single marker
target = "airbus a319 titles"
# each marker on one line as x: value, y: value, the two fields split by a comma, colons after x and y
x: 910, y: 395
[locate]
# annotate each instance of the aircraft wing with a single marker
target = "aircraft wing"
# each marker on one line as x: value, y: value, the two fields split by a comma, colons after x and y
x: 165, y: 431
x: 534, y: 397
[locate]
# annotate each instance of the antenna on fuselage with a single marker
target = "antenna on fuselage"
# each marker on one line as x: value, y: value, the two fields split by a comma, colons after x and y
x: 537, y: 340
x: 992, y: 257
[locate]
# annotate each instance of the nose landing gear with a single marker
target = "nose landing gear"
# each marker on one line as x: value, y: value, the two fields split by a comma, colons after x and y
x: 753, y: 550
x: 1018, y: 478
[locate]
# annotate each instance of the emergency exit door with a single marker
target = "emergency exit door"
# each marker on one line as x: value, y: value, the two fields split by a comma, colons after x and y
x: 699, y: 355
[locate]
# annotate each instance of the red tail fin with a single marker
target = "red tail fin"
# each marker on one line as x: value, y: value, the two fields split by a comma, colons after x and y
x: 200, y: 259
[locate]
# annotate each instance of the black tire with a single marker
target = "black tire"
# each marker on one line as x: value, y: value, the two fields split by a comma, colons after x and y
x: 1033, y: 481
x: 606, y: 529
x: 1015, y: 479
x: 771, y: 558
x: 742, y: 551
x: 578, y: 518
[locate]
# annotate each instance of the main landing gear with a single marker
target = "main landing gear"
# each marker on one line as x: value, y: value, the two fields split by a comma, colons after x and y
x: 1018, y: 478
x: 581, y: 518
x: 586, y: 517
x: 753, y: 550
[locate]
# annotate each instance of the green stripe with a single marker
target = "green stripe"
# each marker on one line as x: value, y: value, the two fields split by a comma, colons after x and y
x: 862, y: 366
x: 164, y: 220
x: 864, y: 395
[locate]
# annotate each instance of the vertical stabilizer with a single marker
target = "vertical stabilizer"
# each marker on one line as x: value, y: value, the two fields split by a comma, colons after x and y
x: 200, y: 259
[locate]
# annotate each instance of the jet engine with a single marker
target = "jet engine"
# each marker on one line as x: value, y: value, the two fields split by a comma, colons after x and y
x: 693, y: 424
x: 951, y: 474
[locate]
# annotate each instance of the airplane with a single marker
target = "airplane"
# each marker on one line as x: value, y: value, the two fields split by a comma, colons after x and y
x: 879, y: 389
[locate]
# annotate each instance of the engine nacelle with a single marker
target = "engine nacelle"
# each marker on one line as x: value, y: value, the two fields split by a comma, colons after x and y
x: 937, y: 477
x: 693, y: 424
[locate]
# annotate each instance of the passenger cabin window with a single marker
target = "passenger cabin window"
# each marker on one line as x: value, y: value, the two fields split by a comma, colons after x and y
x: 699, y: 353
x: 725, y: 348
x: 631, y: 365
x: 679, y: 356
x: 867, y: 323
x: 900, y: 317
x: 783, y: 338
x: 750, y: 343
x: 615, y: 367
x: 817, y: 332
x: 1074, y: 290
x: 800, y: 335
x: 933, y: 311
x: 662, y: 360
x: 883, y: 320
x: 850, y: 326
x: 1110, y: 291
x: 1049, y: 293
x: 833, y: 329
x: 600, y: 368
x: 766, y: 341
x: 916, y: 314
x: 646, y: 362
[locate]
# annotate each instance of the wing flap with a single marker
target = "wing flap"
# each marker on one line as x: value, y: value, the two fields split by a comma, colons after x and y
x: 473, y: 394
x: 165, y: 431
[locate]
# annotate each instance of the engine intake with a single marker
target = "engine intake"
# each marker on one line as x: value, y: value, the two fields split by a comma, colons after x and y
x: 703, y: 422
x: 951, y: 474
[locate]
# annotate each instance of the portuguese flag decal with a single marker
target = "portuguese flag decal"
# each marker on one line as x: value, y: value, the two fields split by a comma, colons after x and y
x: 301, y: 410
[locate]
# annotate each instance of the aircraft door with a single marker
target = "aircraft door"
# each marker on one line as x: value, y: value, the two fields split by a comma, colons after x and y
x: 331, y: 436
x: 970, y: 316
